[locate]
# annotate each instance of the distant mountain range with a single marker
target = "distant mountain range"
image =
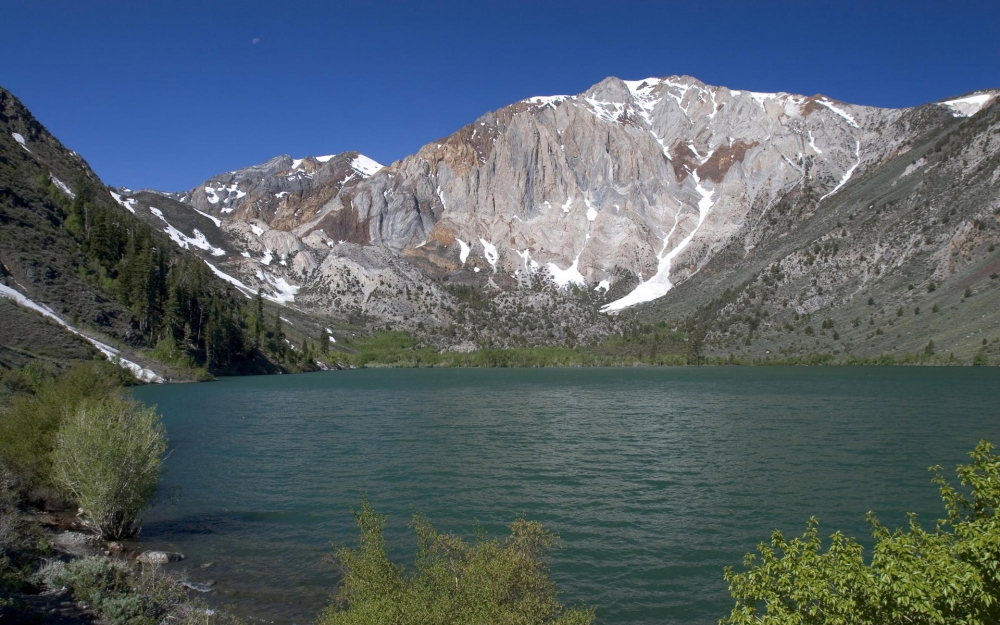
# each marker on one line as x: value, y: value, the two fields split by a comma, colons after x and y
x: 756, y: 223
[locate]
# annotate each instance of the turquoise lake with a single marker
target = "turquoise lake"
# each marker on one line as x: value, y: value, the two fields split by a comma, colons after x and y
x: 655, y: 479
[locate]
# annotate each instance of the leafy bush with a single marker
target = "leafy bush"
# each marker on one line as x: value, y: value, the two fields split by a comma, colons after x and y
x: 24, y: 380
x: 948, y: 575
x: 108, y: 455
x: 39, y: 403
x: 489, y: 581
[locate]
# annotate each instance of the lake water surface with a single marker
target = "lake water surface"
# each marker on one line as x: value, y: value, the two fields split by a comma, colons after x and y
x: 655, y: 479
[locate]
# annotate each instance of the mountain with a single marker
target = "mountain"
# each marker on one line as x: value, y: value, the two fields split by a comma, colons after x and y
x: 81, y: 276
x: 658, y: 201
x: 902, y: 259
x: 723, y: 222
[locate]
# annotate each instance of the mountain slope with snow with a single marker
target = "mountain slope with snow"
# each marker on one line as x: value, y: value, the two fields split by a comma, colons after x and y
x: 626, y: 190
x: 82, y: 276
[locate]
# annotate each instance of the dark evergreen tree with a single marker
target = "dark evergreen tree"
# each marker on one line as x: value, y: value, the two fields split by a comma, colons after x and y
x: 323, y: 342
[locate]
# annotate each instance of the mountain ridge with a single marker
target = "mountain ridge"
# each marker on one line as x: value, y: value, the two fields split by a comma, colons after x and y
x: 566, y: 208
x: 639, y: 182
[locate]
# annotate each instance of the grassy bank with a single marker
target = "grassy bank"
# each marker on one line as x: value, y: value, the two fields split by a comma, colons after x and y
x: 399, y: 349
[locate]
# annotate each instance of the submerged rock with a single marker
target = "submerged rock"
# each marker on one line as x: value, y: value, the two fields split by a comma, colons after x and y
x: 205, y: 587
x: 160, y: 557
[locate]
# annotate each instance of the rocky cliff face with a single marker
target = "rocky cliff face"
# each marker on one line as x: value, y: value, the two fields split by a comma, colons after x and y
x: 635, y: 183
x: 647, y: 177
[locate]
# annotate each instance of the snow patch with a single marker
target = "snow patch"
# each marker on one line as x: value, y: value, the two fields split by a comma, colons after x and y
x: 608, y: 111
x: 129, y: 203
x: 62, y: 187
x: 283, y: 291
x: 212, y: 197
x: 761, y: 98
x: 530, y: 266
x: 281, y: 194
x: 366, y: 166
x: 812, y: 144
x: 231, y: 189
x: 20, y: 139
x: 490, y: 252
x: 839, y: 111
x: 256, y: 229
x: 642, y: 94
x: 848, y: 173
x: 546, y: 100
x: 109, y: 352
x: 969, y: 105
x: 198, y: 240
x: 660, y: 284
x: 568, y: 276
x: 603, y: 285
x: 187, y: 242
x: 464, y: 249
x: 215, y: 220
x: 231, y: 280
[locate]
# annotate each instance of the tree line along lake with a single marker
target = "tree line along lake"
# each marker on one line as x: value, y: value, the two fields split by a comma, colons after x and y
x: 655, y: 479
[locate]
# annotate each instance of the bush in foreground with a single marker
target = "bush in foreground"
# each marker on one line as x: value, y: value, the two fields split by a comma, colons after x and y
x: 37, y: 404
x: 126, y: 594
x: 948, y: 575
x: 108, y: 455
x: 496, y: 581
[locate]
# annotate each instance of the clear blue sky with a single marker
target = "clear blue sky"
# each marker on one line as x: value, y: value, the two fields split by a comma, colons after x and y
x: 165, y: 94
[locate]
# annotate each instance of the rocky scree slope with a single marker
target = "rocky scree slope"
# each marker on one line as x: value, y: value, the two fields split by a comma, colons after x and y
x: 623, y: 192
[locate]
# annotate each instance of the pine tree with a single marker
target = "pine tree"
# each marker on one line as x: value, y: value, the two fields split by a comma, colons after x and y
x: 278, y: 345
x: 257, y: 320
x: 323, y: 342
x: 307, y: 355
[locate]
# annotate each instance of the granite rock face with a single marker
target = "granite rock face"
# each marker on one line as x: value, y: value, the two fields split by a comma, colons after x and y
x: 647, y: 176
x: 643, y: 179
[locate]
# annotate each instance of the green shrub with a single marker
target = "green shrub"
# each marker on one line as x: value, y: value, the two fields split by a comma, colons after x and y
x: 488, y: 581
x: 126, y: 594
x: 92, y: 579
x: 25, y: 380
x: 167, y: 350
x: 28, y: 427
x: 948, y: 575
x: 108, y: 455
